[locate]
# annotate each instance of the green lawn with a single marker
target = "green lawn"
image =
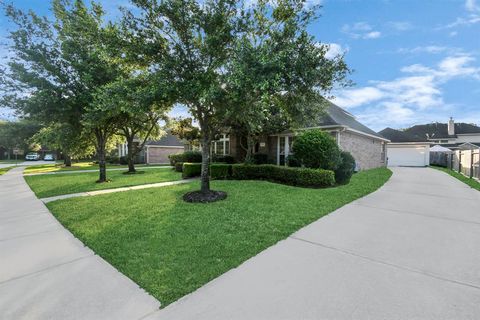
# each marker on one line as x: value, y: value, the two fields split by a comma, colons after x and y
x: 170, y: 247
x: 50, y: 185
x: 5, y: 170
x: 75, y: 166
x: 10, y: 161
x: 471, y: 182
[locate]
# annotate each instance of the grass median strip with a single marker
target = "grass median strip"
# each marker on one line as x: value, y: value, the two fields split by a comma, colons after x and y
x: 53, y: 185
x: 58, y: 167
x: 170, y: 247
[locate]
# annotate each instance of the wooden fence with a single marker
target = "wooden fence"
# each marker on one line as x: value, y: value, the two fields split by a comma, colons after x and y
x: 466, y: 162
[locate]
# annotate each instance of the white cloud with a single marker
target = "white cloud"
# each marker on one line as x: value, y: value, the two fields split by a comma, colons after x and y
x: 471, y: 5
x: 357, y: 97
x: 427, y: 49
x: 401, y: 25
x: 361, y: 30
x: 411, y: 97
x: 470, y: 20
x: 335, y: 49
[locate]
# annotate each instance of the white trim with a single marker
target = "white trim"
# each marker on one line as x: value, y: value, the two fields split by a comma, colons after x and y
x: 366, y: 134
x: 346, y: 128
x: 409, y: 143
x: 157, y: 146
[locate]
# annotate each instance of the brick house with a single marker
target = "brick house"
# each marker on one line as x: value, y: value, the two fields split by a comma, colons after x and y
x: 367, y: 147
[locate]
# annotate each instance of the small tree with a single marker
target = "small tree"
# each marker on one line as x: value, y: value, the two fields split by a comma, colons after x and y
x: 18, y: 134
x: 138, y: 110
x: 63, y: 137
x: 199, y: 37
x: 185, y: 130
x: 58, y: 68
x: 317, y: 149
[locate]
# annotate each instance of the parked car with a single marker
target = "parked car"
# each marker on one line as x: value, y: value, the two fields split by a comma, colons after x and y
x: 33, y: 156
x: 49, y: 157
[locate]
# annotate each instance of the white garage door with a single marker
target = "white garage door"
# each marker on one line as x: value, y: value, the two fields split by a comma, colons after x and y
x: 412, y: 156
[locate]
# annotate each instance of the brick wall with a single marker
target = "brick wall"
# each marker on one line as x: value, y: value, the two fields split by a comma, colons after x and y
x: 366, y: 151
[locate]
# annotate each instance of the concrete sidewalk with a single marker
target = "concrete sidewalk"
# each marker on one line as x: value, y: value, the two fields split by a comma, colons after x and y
x: 46, y: 273
x: 114, y: 190
x: 408, y: 251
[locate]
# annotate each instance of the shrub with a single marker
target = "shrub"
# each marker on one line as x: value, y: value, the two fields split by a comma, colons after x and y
x: 112, y: 159
x: 260, y: 158
x: 174, y: 158
x: 190, y: 170
x: 292, y: 161
x: 345, y: 171
x: 317, y: 149
x: 179, y: 166
x: 187, y: 156
x: 303, y: 177
x: 192, y: 156
x: 220, y: 171
x: 224, y: 159
x: 123, y: 160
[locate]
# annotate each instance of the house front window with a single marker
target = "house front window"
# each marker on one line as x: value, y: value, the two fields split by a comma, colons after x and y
x: 221, y: 146
x: 284, y: 149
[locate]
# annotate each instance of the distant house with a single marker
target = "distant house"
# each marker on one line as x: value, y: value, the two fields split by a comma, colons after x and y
x: 451, y: 135
x: 411, y: 147
x: 156, y: 151
x: 367, y: 147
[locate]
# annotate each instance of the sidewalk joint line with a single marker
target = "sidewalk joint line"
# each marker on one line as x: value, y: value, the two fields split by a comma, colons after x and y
x: 412, y: 270
x: 416, y: 214
x: 46, y: 269
x: 430, y: 195
x: 30, y: 234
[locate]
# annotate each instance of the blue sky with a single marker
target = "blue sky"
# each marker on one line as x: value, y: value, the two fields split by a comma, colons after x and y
x: 414, y: 61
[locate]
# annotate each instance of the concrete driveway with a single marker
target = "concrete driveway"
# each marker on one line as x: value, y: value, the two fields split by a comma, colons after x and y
x: 408, y: 251
x: 46, y: 273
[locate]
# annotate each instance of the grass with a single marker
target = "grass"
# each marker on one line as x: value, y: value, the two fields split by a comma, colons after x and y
x: 10, y: 161
x: 46, y: 168
x: 50, y: 185
x: 5, y: 170
x: 170, y: 247
x: 471, y: 182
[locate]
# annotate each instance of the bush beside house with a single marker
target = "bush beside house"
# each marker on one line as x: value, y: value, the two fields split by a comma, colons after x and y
x: 317, y: 149
x: 346, y: 169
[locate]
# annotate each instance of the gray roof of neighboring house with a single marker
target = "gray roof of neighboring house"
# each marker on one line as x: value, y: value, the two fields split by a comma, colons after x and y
x: 424, y: 132
x: 167, y: 140
x: 400, y: 136
x: 334, y: 115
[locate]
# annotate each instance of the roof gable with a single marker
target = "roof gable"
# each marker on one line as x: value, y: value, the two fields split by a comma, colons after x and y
x: 334, y: 115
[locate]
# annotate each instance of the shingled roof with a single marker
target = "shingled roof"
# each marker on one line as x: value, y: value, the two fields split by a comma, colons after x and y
x: 335, y: 115
x: 424, y: 132
x: 168, y: 140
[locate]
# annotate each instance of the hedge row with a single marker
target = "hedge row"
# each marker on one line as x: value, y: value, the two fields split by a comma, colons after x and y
x: 217, y: 170
x: 303, y: 177
x: 187, y: 156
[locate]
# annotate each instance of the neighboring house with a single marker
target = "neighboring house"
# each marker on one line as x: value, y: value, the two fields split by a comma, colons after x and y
x: 367, y: 147
x: 156, y: 151
x: 411, y: 147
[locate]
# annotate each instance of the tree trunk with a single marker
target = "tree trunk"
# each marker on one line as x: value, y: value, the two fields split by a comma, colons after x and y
x: 67, y: 161
x: 205, y: 174
x: 101, y: 158
x: 130, y: 155
x: 250, y: 146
